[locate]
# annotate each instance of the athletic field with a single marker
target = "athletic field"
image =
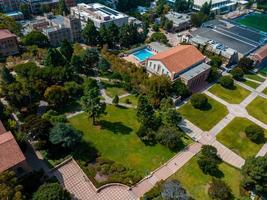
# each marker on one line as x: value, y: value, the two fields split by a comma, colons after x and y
x: 254, y: 20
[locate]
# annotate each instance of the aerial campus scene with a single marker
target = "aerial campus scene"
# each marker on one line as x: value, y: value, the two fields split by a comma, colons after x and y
x: 133, y: 99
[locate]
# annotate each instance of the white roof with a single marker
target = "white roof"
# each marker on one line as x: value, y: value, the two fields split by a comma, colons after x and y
x: 201, y: 2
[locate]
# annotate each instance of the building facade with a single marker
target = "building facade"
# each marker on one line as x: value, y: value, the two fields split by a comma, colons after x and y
x: 99, y: 14
x: 9, y: 5
x: 183, y: 62
x: 8, y: 43
x: 260, y: 56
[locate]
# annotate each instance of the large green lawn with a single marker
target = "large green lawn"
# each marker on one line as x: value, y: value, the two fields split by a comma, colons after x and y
x: 204, y: 119
x: 113, y: 89
x: 254, y: 77
x: 133, y: 100
x: 234, y: 96
x: 251, y: 84
x: 234, y: 137
x: 255, y: 20
x: 116, y: 139
x: 258, y: 109
x: 196, y: 182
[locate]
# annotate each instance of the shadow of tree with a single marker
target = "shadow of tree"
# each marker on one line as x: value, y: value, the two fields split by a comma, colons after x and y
x: 115, y: 127
x: 86, y: 152
x: 207, y: 107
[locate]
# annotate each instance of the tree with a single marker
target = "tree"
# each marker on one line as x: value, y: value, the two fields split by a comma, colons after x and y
x: 36, y: 38
x: 216, y: 61
x: 54, y: 117
x: 92, y: 105
x: 171, y: 117
x: 10, y: 24
x: 198, y: 18
x: 172, y: 190
x: 219, y: 190
x: 199, y: 101
x: 62, y: 8
x: 208, y: 160
x: 56, y: 95
x: 103, y: 65
x: 245, y: 64
x: 115, y: 100
x: 170, y: 137
x: 158, y: 37
x: 24, y: 8
x: 227, y: 82
x: 66, y: 49
x: 90, y: 58
x: 51, y: 191
x: 206, y: 8
x: 73, y: 89
x: 145, y: 112
x: 90, y: 34
x: 183, y: 5
x: 54, y: 58
x: 254, y: 173
x: 77, y: 63
x: 5, y: 76
x: 213, y: 75
x: 36, y: 127
x: 180, y: 89
x: 9, y: 186
x: 2, y: 109
x: 255, y: 133
x: 65, y: 136
x: 237, y: 73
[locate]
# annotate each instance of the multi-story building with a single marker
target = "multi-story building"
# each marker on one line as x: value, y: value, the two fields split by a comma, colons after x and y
x: 99, y: 14
x: 8, y: 43
x: 9, y: 5
x: 183, y: 62
x: 180, y: 21
x: 62, y: 28
x: 36, y: 5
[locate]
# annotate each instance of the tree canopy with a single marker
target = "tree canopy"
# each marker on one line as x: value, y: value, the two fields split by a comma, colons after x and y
x: 36, y: 38
x: 51, y: 191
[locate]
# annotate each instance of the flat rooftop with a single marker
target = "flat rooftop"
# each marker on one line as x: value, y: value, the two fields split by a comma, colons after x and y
x: 241, y: 39
x: 177, y: 18
x: 97, y: 11
x: 195, y: 71
x: 201, y: 2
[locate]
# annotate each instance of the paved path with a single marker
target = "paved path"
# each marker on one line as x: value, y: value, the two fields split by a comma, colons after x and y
x: 262, y: 151
x: 166, y: 170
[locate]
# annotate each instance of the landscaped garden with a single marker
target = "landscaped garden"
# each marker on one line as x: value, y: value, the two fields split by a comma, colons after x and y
x: 250, y: 83
x: 115, y: 139
x: 131, y: 100
x: 234, y: 137
x: 234, y: 96
x: 254, y: 77
x: 204, y: 118
x: 113, y: 89
x: 258, y: 109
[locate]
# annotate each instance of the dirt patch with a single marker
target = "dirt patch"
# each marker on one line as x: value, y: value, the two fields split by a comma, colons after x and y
x: 100, y: 178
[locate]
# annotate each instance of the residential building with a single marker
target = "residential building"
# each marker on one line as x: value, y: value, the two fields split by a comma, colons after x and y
x: 180, y: 21
x: 8, y: 43
x: 99, y: 14
x: 36, y: 5
x: 183, y: 62
x: 11, y: 156
x: 218, y: 7
x: 260, y: 57
x: 9, y: 5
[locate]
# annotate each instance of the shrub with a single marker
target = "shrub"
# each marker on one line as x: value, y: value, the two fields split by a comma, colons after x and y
x: 227, y: 82
x: 216, y: 61
x: 218, y: 190
x: 255, y: 133
x: 237, y: 73
x: 127, y: 101
x: 199, y: 101
x: 115, y: 100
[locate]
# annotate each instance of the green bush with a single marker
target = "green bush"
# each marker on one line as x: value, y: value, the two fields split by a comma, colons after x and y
x: 227, y: 82
x: 218, y: 190
x: 255, y: 133
x: 237, y: 73
x: 199, y: 101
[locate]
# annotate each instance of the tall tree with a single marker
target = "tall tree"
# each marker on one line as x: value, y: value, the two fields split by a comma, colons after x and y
x: 62, y: 8
x: 5, y: 76
x: 36, y: 38
x: 92, y: 105
x: 90, y: 34
x: 56, y: 95
x: 54, y: 58
x: 65, y: 136
x: 24, y: 8
x: 90, y: 59
x: 206, y: 8
x: 51, y: 191
x: 10, y: 24
x: 66, y: 49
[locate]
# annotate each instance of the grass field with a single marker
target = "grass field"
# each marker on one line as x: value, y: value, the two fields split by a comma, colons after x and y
x: 250, y: 20
x: 113, y: 89
x: 116, y: 140
x: 133, y: 100
x: 196, y: 182
x: 204, y: 119
x: 234, y: 137
x: 254, y: 77
x: 263, y: 71
x: 234, y: 96
x: 251, y: 84
x: 258, y: 109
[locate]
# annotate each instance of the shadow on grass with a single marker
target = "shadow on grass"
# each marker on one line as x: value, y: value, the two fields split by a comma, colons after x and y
x: 207, y: 107
x: 85, y: 152
x: 115, y: 127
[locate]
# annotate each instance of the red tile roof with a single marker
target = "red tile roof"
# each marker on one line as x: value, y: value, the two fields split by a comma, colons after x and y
x: 2, y: 128
x: 179, y: 58
x: 260, y: 54
x: 10, y: 152
x: 5, y: 33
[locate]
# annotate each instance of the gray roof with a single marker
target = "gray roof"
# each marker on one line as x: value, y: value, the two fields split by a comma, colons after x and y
x: 193, y: 72
x: 158, y: 47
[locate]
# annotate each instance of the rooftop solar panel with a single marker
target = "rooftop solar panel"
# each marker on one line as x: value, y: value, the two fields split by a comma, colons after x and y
x: 109, y: 11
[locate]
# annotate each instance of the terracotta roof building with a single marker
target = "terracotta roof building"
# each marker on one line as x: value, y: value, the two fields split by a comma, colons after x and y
x: 8, y: 43
x: 183, y: 62
x: 11, y: 156
x: 260, y: 56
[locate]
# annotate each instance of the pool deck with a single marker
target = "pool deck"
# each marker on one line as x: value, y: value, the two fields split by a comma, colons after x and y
x: 132, y: 59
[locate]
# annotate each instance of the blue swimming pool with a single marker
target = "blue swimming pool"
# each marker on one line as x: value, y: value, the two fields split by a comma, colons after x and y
x: 143, y: 54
